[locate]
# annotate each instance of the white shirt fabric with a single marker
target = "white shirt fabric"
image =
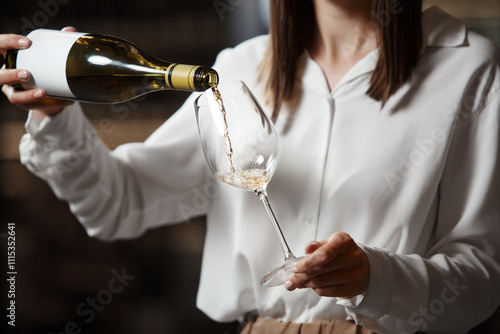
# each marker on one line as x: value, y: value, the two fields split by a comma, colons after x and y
x: 416, y: 183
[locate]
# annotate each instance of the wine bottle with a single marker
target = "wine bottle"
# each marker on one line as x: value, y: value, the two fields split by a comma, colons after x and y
x: 100, y: 68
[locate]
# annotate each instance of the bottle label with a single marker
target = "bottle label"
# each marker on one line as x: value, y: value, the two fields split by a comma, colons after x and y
x: 46, y: 60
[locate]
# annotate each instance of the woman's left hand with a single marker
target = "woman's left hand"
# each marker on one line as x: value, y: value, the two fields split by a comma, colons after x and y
x: 336, y: 267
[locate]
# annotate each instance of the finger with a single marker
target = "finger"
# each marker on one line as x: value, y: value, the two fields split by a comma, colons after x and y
x: 342, y: 290
x: 69, y: 28
x: 318, y: 280
x: 34, y: 99
x: 12, y: 77
x: 337, y: 277
x: 300, y: 280
x: 12, y: 41
x: 345, y: 260
x: 340, y: 283
x: 23, y: 97
x: 344, y: 283
x: 313, y: 246
x: 334, y: 246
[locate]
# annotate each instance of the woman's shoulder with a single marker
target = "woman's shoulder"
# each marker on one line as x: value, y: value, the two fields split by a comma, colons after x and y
x: 454, y: 56
x: 482, y: 50
x: 248, y: 49
x: 478, y: 61
x: 446, y: 35
x: 243, y: 59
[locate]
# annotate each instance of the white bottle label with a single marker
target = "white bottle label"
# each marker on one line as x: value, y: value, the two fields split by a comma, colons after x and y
x: 46, y: 60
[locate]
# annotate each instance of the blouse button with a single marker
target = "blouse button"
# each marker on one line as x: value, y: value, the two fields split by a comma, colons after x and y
x: 309, y: 219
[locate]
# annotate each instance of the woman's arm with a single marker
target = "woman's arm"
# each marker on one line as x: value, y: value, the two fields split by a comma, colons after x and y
x: 118, y: 194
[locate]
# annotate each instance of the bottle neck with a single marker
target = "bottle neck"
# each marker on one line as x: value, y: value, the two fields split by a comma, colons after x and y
x: 175, y: 76
x: 190, y: 77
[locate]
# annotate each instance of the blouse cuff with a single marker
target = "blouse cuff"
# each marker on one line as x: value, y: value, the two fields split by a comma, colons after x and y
x: 54, y: 142
x: 52, y: 129
x: 375, y: 302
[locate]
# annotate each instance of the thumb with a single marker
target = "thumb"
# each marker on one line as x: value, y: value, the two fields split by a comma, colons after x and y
x: 69, y: 28
x: 313, y: 246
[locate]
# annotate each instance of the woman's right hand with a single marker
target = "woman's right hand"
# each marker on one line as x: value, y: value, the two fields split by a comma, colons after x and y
x: 31, y: 99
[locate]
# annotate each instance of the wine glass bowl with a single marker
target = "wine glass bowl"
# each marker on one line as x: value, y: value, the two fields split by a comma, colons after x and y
x: 241, y: 147
x: 250, y: 142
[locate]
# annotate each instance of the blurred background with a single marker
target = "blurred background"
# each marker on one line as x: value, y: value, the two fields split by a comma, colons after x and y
x: 60, y: 269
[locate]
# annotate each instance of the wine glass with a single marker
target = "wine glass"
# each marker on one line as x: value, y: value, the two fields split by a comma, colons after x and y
x: 242, y: 148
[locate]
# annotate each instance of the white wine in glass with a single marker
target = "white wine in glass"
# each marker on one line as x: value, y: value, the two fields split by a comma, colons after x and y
x: 242, y: 149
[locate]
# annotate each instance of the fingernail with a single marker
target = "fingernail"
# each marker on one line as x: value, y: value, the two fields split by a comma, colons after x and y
x: 38, y: 94
x: 289, y: 285
x: 23, y: 75
x: 23, y: 42
x: 295, y: 270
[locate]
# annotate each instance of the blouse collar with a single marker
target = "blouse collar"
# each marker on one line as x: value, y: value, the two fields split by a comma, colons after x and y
x: 439, y: 29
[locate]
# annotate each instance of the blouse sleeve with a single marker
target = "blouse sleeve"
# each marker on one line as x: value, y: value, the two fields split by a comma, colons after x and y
x: 456, y: 284
x: 122, y: 193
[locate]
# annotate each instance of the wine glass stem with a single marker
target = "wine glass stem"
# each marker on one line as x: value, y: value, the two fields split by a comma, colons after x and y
x: 279, y: 233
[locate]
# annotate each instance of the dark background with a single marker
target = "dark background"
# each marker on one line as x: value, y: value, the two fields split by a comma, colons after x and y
x: 58, y: 266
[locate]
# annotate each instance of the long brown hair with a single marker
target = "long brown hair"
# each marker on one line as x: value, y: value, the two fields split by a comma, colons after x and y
x: 291, y: 28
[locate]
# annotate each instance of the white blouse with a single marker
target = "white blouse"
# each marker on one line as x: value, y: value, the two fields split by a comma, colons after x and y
x: 416, y: 183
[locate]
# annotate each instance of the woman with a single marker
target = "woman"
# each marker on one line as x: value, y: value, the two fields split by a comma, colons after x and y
x: 389, y: 123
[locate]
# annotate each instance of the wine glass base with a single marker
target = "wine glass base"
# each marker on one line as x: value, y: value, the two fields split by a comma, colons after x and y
x: 280, y: 275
